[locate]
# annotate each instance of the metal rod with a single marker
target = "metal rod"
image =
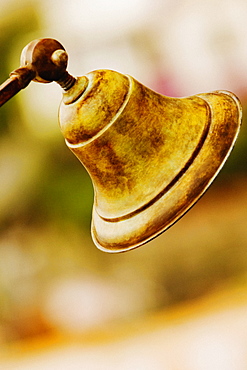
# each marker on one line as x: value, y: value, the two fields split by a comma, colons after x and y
x: 18, y: 80
x: 8, y: 89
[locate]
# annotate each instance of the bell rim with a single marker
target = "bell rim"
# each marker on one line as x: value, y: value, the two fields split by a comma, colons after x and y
x: 137, y: 236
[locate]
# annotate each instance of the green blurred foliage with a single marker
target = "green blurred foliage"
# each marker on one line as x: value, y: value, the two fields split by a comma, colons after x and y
x: 63, y: 191
x: 20, y: 21
x: 62, y: 188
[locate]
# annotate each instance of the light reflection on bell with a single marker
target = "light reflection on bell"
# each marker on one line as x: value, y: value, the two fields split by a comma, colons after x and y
x: 150, y: 157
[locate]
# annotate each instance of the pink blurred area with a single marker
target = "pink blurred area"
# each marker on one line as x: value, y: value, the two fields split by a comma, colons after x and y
x: 127, y: 311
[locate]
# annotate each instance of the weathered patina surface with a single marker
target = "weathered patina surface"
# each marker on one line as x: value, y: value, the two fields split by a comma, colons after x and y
x: 150, y: 157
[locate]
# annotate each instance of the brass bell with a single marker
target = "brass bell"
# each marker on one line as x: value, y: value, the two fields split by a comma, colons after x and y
x: 150, y: 157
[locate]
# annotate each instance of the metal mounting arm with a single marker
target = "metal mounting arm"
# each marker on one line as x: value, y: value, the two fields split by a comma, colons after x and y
x: 42, y: 60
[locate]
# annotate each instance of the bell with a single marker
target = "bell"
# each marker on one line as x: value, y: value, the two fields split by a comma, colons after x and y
x: 150, y: 157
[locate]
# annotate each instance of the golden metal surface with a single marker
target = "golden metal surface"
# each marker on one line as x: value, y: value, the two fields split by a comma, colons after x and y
x: 150, y: 157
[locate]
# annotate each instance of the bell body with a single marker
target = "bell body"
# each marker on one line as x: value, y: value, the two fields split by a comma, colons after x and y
x: 150, y: 157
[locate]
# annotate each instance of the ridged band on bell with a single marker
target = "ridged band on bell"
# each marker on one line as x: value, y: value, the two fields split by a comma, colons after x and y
x: 150, y: 157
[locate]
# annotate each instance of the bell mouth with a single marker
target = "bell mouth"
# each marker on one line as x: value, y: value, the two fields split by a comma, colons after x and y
x: 132, y: 230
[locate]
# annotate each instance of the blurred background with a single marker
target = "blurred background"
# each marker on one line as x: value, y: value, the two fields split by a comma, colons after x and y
x: 178, y: 302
